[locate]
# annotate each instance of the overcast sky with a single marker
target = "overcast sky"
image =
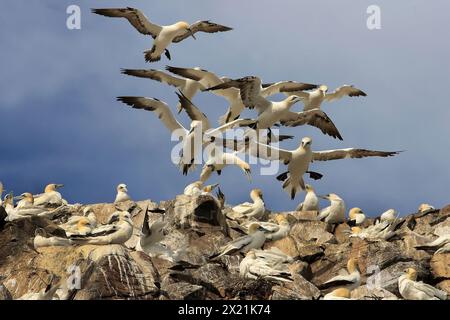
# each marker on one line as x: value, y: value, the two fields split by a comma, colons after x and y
x: 60, y: 121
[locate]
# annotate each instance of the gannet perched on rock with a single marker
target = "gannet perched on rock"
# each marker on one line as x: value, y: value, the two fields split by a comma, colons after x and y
x: 26, y: 208
x: 298, y: 160
x: 335, y: 212
x: 411, y: 289
x: 389, y: 215
x: 313, y: 99
x: 435, y: 244
x: 350, y: 281
x: 273, y: 256
x: 384, y: 230
x: 88, y: 214
x: 425, y: 208
x: 150, y: 235
x: 122, y: 193
x: 311, y: 202
x: 50, y: 196
x: 281, y: 231
x: 254, y: 240
x: 338, y: 294
x: 197, y: 188
x: 163, y: 35
x: 250, y: 210
x: 270, y: 112
x: 118, y: 231
x: 356, y: 217
x: 189, y: 138
x: 252, y: 267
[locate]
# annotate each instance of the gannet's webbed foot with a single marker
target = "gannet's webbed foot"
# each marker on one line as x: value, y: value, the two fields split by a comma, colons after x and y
x: 283, y: 176
x: 167, y: 54
x: 315, y: 175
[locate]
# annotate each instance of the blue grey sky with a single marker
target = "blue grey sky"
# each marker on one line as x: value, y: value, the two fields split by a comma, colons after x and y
x: 60, y: 121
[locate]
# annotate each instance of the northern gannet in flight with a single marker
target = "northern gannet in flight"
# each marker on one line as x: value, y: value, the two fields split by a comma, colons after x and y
x: 188, y: 137
x: 118, y: 231
x: 311, y: 202
x: 350, y: 281
x: 197, y: 188
x: 50, y: 196
x: 163, y: 35
x: 313, y: 99
x: 254, y: 210
x: 219, y: 162
x: 254, y: 240
x: 270, y: 112
x: 411, y: 289
x: 122, y: 193
x: 252, y: 267
x: 338, y: 294
x: 356, y: 217
x: 298, y: 160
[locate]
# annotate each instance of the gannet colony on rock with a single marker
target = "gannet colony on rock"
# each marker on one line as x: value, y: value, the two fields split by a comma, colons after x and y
x: 198, y: 246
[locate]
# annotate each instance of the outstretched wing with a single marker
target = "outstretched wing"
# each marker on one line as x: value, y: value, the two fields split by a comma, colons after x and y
x: 161, y: 109
x: 135, y: 17
x: 206, y: 78
x: 155, y: 75
x: 202, y: 26
x: 350, y: 153
x: 315, y: 117
x: 193, y: 112
x: 285, y: 86
x: 267, y: 152
x: 345, y: 90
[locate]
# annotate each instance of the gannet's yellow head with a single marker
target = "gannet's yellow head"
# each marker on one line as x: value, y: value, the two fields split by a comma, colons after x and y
x: 9, y: 199
x: 256, y: 194
x: 52, y: 187
x: 28, y: 197
x: 251, y: 254
x: 354, y: 211
x: 82, y: 223
x: 356, y: 230
x: 334, y: 197
x: 342, y: 293
x: 122, y: 188
x: 352, y: 265
x: 411, y: 274
x: 424, y: 207
x: 291, y: 100
x: 306, y: 142
x: 182, y: 25
x: 209, y: 187
x: 309, y: 188
x: 281, y: 219
x: 323, y: 88
x: 253, y: 228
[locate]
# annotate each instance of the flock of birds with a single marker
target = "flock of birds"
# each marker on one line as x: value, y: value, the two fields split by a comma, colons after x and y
x: 248, y: 92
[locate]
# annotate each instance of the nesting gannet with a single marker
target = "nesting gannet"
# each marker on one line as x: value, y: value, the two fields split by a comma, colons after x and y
x: 273, y: 256
x: 389, y: 215
x: 118, y: 231
x: 197, y: 188
x: 313, y: 99
x: 436, y: 244
x: 298, y: 160
x: 26, y: 208
x: 254, y: 240
x: 150, y: 235
x: 218, y: 162
x: 350, y: 281
x: 163, y: 35
x: 8, y: 203
x: 411, y: 289
x: 122, y: 193
x: 356, y: 217
x: 44, y: 239
x: 188, y: 137
x: 48, y: 293
x: 335, y: 212
x: 425, y: 208
x: 338, y: 294
x: 385, y: 230
x: 250, y: 210
x: 311, y: 202
x: 281, y: 231
x: 88, y: 214
x: 253, y: 268
x: 270, y: 112
x: 50, y: 196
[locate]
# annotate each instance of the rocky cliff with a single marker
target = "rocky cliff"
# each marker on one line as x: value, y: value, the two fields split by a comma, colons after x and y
x: 196, y: 228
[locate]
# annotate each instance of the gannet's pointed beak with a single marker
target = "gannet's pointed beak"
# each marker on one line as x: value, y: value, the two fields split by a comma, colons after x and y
x: 59, y: 185
x: 324, y: 197
x: 18, y: 197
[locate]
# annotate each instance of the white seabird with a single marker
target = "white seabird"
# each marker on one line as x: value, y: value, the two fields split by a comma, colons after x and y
x: 436, y: 244
x: 411, y: 289
x: 350, y: 281
x: 311, y: 202
x: 150, y: 235
x: 48, y: 293
x: 384, y: 230
x: 389, y: 215
x: 425, y: 208
x: 335, y: 212
x: 250, y: 210
x: 271, y: 112
x: 163, y: 35
x: 338, y: 294
x: 188, y: 137
x: 122, y: 193
x: 273, y: 256
x: 313, y: 99
x: 218, y: 162
x: 26, y: 208
x: 50, y: 196
x: 254, y: 240
x: 88, y: 214
x: 281, y: 231
x: 118, y: 231
x: 197, y: 188
x: 298, y: 160
x: 356, y: 217
x: 252, y: 267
